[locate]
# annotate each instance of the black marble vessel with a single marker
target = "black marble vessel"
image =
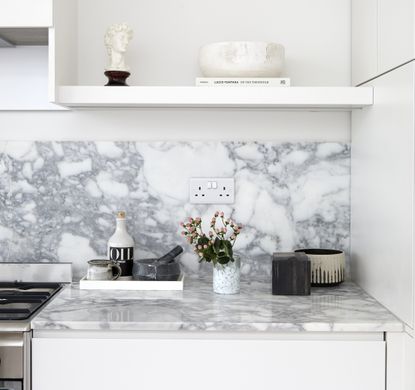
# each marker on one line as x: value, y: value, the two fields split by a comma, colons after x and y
x: 291, y: 274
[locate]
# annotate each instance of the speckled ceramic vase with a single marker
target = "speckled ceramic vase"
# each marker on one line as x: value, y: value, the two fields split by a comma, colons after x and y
x: 226, y: 278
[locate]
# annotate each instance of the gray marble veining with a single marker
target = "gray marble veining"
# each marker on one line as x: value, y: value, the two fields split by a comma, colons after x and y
x: 342, y: 309
x: 58, y: 199
x: 36, y: 272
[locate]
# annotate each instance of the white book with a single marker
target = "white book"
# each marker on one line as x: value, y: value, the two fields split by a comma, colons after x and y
x: 242, y: 82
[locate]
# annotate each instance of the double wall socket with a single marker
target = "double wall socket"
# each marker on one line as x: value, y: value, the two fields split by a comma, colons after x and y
x: 212, y: 190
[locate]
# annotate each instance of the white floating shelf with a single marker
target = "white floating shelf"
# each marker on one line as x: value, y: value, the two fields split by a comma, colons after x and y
x: 308, y: 98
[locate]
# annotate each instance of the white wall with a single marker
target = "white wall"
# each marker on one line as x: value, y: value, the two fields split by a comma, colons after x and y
x: 175, y: 125
x: 382, y: 219
x: 168, y: 35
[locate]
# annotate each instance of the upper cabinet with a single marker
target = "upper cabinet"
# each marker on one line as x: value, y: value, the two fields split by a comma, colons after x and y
x: 63, y: 46
x: 163, y: 54
x: 382, y: 36
x: 24, y: 42
x: 26, y: 13
x: 56, y: 56
x: 396, y: 33
x: 364, y: 40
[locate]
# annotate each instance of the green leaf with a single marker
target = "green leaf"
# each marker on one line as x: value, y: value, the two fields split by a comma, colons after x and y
x: 228, y: 248
x: 224, y: 260
x: 217, y: 245
x: 220, y: 252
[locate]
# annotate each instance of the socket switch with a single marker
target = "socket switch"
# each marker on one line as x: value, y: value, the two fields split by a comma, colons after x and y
x: 212, y: 190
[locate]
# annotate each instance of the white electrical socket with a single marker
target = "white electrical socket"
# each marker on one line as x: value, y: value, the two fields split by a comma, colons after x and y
x: 212, y: 190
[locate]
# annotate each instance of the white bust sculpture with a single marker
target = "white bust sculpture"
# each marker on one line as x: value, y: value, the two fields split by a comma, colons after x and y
x: 117, y: 38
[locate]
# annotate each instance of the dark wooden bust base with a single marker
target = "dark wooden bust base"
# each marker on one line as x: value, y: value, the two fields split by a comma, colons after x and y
x: 117, y: 78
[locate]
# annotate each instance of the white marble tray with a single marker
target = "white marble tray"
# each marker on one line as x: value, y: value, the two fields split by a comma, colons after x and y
x: 138, y: 285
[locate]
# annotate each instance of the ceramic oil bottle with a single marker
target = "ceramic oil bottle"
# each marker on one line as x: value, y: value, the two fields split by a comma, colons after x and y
x: 121, y: 247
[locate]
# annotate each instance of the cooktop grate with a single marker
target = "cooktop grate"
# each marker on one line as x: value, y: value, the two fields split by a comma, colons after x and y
x: 19, y: 301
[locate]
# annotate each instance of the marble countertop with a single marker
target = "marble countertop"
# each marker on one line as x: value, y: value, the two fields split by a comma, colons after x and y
x: 341, y: 309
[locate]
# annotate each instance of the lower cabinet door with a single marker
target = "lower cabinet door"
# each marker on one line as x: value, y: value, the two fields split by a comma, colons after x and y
x: 205, y: 364
x: 11, y: 385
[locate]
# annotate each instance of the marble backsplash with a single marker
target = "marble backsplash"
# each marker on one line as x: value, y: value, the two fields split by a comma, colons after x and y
x: 58, y: 199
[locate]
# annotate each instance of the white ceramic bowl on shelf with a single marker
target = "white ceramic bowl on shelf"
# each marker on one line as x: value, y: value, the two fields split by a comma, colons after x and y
x: 241, y: 59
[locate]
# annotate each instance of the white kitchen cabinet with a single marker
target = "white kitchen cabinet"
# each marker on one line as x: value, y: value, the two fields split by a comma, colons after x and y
x: 24, y: 78
x: 26, y: 13
x: 364, y: 40
x: 408, y: 372
x: 396, y: 33
x: 382, y: 193
x: 382, y: 36
x: 188, y: 364
x: 70, y: 72
x: 78, y: 64
x: 24, y: 67
x: 63, y: 37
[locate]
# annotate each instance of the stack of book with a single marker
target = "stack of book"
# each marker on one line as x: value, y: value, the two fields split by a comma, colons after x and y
x: 242, y: 82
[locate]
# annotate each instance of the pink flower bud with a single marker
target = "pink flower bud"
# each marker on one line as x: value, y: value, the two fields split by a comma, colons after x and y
x: 183, y: 233
x: 222, y: 214
x: 181, y: 223
x: 198, y: 219
x: 190, y: 219
x: 189, y: 239
x: 217, y: 214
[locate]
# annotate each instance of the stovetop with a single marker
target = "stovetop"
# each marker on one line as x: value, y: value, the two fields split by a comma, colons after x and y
x: 19, y: 300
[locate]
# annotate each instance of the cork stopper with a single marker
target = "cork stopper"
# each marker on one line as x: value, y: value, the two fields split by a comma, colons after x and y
x: 121, y: 215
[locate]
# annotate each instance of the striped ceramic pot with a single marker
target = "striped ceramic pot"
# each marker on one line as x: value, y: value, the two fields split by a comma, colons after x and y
x: 327, y: 266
